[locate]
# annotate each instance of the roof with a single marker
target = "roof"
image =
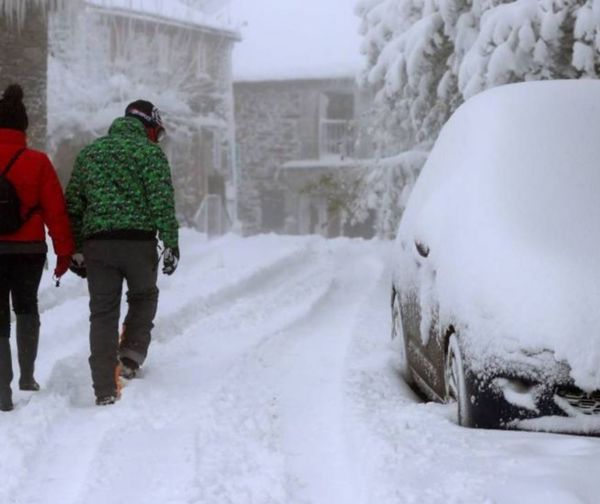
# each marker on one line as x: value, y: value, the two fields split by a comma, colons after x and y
x: 170, y: 12
x: 296, y: 39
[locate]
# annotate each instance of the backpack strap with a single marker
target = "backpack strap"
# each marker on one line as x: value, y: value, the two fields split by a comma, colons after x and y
x: 12, y: 162
x: 9, y: 166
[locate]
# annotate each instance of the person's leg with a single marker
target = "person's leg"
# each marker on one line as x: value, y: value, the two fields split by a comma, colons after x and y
x: 141, y: 272
x: 6, y: 372
x: 6, y: 375
x: 105, y: 283
x: 26, y: 277
x: 6, y: 266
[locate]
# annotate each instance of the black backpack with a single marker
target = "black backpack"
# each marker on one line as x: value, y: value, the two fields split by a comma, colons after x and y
x: 10, y: 204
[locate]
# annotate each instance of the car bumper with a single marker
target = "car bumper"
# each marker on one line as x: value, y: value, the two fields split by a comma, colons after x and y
x: 507, y: 401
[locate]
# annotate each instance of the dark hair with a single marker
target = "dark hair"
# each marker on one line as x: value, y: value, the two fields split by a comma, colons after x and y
x: 13, y: 114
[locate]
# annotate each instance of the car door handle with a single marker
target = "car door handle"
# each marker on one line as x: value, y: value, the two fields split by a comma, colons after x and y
x: 422, y: 249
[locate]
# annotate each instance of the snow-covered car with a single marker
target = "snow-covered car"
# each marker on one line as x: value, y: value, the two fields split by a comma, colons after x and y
x: 496, y: 286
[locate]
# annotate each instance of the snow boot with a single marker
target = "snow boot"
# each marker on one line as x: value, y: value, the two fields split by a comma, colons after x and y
x: 129, y: 368
x: 106, y: 400
x: 28, y: 335
x: 6, y: 375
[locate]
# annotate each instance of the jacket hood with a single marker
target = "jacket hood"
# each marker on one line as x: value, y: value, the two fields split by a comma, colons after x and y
x: 129, y: 127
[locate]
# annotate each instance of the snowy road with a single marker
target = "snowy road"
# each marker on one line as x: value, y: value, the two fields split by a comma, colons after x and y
x: 271, y: 379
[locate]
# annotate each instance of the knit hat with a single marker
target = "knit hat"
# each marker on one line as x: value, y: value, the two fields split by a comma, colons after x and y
x: 12, y: 111
x: 146, y: 112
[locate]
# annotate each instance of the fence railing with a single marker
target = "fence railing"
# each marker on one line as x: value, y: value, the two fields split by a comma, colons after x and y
x: 336, y: 138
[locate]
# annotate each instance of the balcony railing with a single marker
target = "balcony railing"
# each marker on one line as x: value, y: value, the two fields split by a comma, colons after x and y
x: 336, y: 138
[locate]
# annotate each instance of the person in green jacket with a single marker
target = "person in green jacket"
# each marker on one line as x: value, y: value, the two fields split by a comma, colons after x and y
x: 120, y: 199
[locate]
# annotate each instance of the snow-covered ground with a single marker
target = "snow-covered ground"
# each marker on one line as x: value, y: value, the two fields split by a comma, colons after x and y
x: 271, y: 379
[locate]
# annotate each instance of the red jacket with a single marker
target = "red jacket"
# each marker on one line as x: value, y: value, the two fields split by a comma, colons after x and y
x: 37, y: 184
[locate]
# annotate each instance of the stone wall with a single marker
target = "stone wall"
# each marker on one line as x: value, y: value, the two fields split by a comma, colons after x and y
x: 23, y: 59
x: 268, y: 133
x: 276, y: 122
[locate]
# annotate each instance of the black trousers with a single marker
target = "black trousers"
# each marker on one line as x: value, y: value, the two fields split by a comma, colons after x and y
x: 20, y: 276
x: 109, y: 263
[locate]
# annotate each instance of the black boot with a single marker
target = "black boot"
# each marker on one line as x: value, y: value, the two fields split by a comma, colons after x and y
x: 6, y: 375
x: 28, y: 335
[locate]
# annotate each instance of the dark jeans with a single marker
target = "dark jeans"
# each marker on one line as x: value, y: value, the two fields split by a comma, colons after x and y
x: 109, y: 263
x: 20, y: 276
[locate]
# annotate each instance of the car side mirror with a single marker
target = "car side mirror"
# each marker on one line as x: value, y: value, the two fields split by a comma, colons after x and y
x: 422, y: 249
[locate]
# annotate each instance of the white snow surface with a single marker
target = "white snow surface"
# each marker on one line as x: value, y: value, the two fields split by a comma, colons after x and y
x: 508, y: 204
x: 296, y: 39
x: 271, y: 380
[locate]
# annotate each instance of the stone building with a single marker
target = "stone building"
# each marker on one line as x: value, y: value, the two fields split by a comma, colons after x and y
x: 299, y: 116
x: 23, y: 59
x: 298, y: 141
x: 82, y: 61
x: 107, y: 53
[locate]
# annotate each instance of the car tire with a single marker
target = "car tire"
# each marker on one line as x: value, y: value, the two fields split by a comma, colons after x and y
x: 398, y: 341
x: 456, y: 382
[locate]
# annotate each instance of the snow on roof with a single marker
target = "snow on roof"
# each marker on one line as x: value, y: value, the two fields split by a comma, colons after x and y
x: 296, y: 39
x: 172, y: 11
x: 508, y: 205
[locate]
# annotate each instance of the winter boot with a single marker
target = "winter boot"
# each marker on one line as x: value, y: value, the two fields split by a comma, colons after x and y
x: 6, y: 375
x: 129, y: 368
x: 28, y: 335
x: 106, y: 400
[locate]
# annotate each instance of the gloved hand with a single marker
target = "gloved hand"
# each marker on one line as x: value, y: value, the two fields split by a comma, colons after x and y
x: 62, y: 265
x: 77, y: 265
x: 170, y: 260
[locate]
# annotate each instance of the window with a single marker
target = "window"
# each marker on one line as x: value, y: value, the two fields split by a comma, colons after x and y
x: 201, y: 60
x: 336, y: 130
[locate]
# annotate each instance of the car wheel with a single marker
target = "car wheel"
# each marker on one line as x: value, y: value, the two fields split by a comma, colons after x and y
x: 456, y: 383
x: 398, y: 341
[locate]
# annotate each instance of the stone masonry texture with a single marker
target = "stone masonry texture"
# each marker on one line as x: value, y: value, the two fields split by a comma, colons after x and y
x: 23, y: 59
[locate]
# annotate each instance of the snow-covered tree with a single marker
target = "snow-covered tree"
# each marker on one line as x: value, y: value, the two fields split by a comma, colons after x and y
x: 425, y: 57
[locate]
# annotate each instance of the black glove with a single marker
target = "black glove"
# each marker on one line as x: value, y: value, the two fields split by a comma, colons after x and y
x: 78, y: 265
x: 170, y: 260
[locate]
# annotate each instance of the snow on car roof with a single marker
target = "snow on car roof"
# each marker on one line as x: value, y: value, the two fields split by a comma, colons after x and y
x: 509, y: 205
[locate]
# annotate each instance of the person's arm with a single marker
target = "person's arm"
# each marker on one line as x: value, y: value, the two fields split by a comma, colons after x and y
x: 161, y: 199
x: 76, y: 203
x: 54, y: 211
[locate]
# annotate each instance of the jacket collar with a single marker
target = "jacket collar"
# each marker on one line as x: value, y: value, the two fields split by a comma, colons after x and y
x: 129, y: 127
x: 13, y: 137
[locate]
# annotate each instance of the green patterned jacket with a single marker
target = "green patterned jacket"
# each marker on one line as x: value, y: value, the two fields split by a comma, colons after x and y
x: 122, y: 182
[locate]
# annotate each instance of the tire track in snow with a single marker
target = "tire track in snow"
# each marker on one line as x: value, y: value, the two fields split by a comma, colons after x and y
x: 252, y: 282
x: 70, y: 385
x: 285, y: 401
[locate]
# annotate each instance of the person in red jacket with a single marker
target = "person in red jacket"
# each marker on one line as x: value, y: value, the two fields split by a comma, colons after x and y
x: 23, y: 252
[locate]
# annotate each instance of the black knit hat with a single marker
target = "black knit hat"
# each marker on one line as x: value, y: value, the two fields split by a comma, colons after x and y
x: 12, y: 111
x: 146, y: 112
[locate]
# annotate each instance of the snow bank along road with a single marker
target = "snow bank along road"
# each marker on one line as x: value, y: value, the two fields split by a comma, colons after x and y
x: 271, y: 379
